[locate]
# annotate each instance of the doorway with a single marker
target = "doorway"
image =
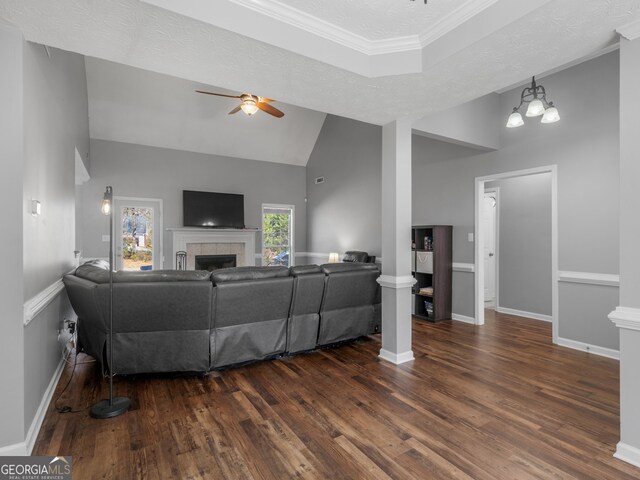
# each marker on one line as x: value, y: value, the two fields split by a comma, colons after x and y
x: 490, y: 218
x: 480, y: 236
x: 277, y: 235
x: 137, y: 233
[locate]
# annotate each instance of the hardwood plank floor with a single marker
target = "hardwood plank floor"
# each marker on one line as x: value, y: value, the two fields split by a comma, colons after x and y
x: 491, y: 402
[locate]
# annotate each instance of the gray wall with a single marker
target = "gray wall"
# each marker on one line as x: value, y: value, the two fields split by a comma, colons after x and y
x: 344, y: 211
x: 465, y: 124
x: 524, y: 261
x: 585, y: 146
x: 56, y: 124
x: 44, y: 119
x: 149, y: 172
x: 11, y: 281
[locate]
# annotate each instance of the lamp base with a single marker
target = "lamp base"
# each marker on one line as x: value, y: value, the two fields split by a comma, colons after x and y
x: 103, y: 409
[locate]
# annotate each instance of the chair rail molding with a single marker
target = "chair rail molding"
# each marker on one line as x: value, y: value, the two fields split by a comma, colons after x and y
x: 35, y: 305
x: 589, y: 278
x: 463, y: 267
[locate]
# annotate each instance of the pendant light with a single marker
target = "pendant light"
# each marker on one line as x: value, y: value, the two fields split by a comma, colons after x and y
x: 536, y: 98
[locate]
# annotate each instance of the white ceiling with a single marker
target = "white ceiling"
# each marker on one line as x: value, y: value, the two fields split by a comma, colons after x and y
x: 131, y: 105
x: 495, y: 44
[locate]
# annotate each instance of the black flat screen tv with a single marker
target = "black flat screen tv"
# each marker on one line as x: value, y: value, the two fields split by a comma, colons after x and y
x: 212, y: 209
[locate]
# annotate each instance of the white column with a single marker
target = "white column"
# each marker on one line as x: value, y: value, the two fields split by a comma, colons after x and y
x: 627, y: 315
x: 396, y: 279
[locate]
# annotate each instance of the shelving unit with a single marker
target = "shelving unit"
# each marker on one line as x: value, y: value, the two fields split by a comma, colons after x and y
x: 431, y: 266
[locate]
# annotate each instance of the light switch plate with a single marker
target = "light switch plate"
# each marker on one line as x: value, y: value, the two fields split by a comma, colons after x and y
x: 105, y: 238
x: 470, y: 237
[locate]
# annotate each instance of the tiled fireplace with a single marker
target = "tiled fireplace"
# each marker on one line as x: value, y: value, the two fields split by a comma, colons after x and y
x: 214, y: 242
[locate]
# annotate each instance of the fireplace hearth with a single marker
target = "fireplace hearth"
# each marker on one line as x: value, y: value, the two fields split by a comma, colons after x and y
x: 214, y: 262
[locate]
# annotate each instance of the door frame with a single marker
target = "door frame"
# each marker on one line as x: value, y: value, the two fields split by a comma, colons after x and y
x: 292, y: 226
x: 496, y: 232
x: 479, y: 246
x: 117, y: 200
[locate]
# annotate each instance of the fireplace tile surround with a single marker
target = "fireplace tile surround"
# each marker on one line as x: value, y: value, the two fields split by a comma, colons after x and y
x: 204, y: 241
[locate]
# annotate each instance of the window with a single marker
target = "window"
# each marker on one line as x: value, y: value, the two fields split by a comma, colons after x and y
x: 277, y: 235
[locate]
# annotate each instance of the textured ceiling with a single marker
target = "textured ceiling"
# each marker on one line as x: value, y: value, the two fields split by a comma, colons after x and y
x: 138, y: 34
x: 131, y: 105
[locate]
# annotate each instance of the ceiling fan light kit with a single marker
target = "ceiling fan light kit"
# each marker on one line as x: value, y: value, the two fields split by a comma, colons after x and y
x: 536, y: 98
x: 250, y: 104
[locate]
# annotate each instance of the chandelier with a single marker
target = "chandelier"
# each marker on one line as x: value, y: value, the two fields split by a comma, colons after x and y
x: 536, y: 97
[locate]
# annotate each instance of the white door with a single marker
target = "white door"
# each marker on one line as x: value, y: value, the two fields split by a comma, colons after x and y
x: 489, y: 218
x: 137, y: 236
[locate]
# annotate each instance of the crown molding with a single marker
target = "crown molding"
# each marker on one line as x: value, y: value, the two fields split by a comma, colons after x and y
x: 329, y: 31
x: 293, y: 29
x: 453, y: 20
x: 630, y: 31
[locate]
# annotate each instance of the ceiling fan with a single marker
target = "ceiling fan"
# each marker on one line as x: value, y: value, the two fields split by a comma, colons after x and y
x: 250, y: 104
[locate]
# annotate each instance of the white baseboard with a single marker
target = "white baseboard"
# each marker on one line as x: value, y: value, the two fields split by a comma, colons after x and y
x: 521, y: 313
x: 25, y: 448
x: 463, y: 318
x: 396, y: 358
x: 15, y: 450
x: 586, y: 347
x: 628, y: 454
x: 34, y: 429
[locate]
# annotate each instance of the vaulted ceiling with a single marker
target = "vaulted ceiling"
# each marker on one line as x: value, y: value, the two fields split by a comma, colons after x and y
x: 374, y: 60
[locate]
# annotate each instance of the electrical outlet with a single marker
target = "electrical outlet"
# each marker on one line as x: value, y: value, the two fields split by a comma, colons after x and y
x: 105, y: 238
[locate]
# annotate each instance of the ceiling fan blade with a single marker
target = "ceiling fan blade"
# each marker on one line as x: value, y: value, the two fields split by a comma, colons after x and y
x: 266, y: 100
x: 235, y: 110
x: 218, y: 94
x: 271, y: 110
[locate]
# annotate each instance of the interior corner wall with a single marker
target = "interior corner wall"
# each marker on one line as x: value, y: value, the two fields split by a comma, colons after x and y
x: 56, y: 123
x: 150, y: 172
x: 585, y: 147
x: 11, y: 281
x: 344, y: 211
x: 524, y: 240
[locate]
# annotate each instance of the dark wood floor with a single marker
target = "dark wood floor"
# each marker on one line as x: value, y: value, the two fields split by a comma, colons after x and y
x: 491, y: 402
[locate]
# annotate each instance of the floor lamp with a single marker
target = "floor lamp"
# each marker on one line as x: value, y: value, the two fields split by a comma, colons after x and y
x: 112, y: 407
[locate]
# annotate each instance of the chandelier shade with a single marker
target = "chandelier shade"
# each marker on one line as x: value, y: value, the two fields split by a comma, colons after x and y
x: 515, y: 120
x: 550, y: 115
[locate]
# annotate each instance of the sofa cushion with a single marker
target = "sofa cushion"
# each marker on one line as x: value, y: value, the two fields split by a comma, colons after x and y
x: 248, y: 273
x: 329, y: 268
x: 304, y: 270
x: 355, y: 256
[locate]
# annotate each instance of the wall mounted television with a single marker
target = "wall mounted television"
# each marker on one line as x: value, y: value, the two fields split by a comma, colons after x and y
x: 212, y: 209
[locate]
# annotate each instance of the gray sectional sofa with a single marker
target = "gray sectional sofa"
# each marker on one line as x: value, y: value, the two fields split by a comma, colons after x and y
x: 196, y: 321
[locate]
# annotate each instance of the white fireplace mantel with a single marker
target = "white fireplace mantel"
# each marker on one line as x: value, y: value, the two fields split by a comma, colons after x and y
x: 185, y: 235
